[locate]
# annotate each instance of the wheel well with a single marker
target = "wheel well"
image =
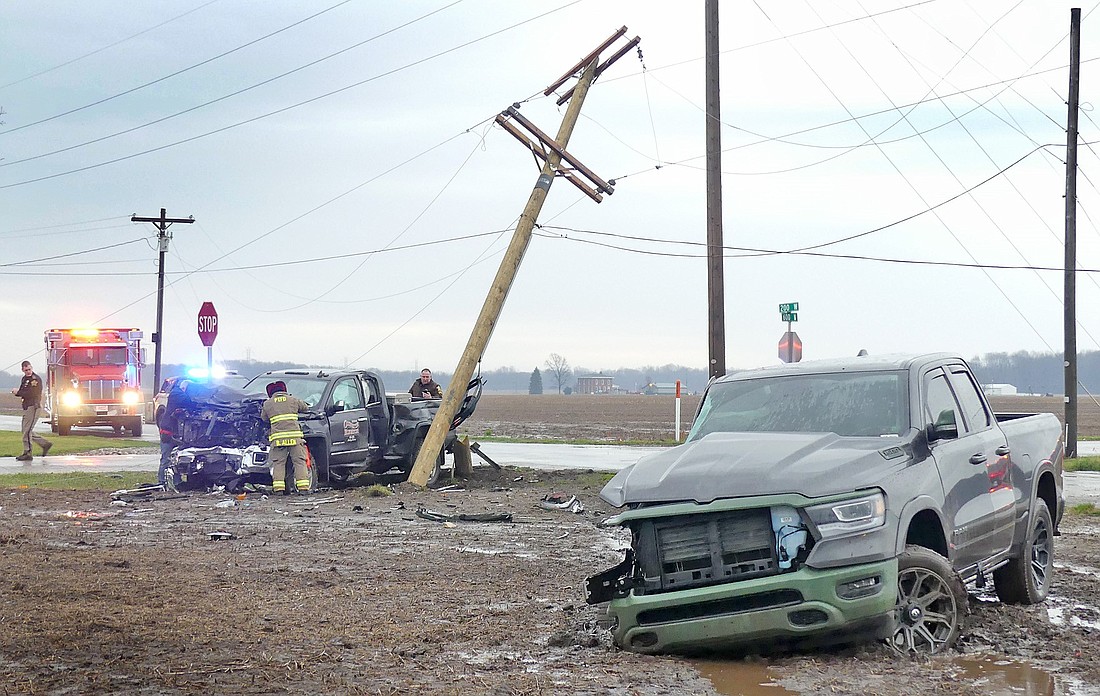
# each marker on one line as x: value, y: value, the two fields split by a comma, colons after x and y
x: 925, y: 530
x: 1048, y: 491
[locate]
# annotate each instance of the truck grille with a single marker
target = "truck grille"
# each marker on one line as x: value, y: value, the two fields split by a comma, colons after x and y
x: 697, y: 550
x: 102, y: 389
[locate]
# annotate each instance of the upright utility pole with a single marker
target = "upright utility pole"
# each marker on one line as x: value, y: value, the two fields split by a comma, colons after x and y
x: 716, y: 293
x: 498, y: 292
x: 1071, y: 233
x: 163, y: 237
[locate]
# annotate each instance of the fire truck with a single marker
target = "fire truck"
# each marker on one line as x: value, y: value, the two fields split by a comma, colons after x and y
x: 94, y: 378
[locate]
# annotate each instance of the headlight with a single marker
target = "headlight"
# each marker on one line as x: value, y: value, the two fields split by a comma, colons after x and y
x: 849, y: 516
x: 130, y: 397
x: 71, y: 398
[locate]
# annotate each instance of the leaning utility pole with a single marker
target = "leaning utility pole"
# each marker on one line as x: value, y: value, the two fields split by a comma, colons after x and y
x: 163, y: 237
x: 1070, y: 300
x: 716, y: 282
x: 552, y: 153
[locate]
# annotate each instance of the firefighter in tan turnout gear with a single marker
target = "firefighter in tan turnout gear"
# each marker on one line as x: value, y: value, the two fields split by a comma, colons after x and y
x: 286, y: 440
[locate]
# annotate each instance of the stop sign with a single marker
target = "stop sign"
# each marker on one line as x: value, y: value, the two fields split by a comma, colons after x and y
x: 790, y: 347
x: 208, y: 324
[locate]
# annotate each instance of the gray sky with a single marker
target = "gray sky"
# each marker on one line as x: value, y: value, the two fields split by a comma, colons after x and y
x: 358, y: 145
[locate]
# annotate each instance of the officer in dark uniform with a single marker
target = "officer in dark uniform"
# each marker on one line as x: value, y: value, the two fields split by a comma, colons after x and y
x: 30, y: 391
x: 425, y: 387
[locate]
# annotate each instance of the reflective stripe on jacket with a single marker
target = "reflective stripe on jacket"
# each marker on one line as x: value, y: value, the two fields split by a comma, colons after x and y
x: 281, y: 411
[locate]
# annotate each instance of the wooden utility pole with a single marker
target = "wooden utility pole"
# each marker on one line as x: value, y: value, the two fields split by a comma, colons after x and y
x: 1070, y: 300
x: 162, y: 224
x: 498, y: 292
x: 716, y: 282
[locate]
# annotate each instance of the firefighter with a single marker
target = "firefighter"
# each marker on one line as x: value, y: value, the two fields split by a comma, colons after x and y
x: 286, y: 439
x: 30, y: 391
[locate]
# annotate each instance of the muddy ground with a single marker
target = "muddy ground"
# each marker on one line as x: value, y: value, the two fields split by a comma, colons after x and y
x: 363, y: 596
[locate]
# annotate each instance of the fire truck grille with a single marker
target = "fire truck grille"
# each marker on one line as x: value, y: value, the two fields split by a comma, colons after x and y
x: 102, y: 389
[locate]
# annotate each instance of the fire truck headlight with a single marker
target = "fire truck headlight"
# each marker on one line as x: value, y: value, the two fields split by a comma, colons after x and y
x: 131, y: 397
x: 71, y: 398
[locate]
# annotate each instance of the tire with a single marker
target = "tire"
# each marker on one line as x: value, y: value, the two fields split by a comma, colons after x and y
x: 64, y: 426
x: 931, y: 603
x: 117, y: 429
x: 437, y: 473
x: 1026, y: 580
x: 135, y: 427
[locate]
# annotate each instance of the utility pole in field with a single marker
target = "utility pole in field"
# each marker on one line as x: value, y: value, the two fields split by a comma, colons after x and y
x: 1070, y: 299
x: 716, y: 281
x: 163, y: 237
x: 552, y: 152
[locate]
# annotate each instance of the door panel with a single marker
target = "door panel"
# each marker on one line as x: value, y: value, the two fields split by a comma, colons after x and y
x: 349, y: 430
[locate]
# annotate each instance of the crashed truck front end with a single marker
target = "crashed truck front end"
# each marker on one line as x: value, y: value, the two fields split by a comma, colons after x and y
x: 771, y: 525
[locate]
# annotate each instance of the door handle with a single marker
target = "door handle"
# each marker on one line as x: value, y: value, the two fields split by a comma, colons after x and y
x: 1002, y: 450
x: 364, y: 419
x: 978, y: 458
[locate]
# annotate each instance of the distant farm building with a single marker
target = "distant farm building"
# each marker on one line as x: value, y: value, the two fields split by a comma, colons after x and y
x: 660, y: 388
x: 594, y: 384
x: 999, y: 389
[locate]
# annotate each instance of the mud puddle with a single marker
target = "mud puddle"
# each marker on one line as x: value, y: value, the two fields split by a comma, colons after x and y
x: 996, y: 676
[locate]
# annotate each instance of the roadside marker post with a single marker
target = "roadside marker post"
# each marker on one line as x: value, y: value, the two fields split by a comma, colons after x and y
x: 677, y: 410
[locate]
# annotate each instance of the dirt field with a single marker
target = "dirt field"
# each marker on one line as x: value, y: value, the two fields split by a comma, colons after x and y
x: 361, y: 595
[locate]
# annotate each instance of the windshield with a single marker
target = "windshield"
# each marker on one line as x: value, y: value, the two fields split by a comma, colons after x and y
x: 308, y: 389
x: 850, y: 404
x: 97, y: 355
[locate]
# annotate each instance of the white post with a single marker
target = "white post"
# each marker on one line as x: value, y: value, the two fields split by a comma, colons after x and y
x: 677, y: 410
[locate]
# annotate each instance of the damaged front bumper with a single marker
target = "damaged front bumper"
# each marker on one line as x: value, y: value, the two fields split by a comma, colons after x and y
x: 225, y: 467
x: 801, y: 607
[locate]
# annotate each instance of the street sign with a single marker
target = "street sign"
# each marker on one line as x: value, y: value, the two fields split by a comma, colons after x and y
x: 790, y: 347
x: 208, y: 324
x: 788, y: 308
x: 789, y: 316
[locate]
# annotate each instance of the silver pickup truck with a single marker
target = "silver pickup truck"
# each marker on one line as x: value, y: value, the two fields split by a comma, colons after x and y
x: 830, y: 501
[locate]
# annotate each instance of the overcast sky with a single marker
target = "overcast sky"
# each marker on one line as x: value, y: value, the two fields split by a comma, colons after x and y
x: 352, y: 197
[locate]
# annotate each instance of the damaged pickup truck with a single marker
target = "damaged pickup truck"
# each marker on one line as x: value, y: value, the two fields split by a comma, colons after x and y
x: 353, y: 428
x: 834, y: 501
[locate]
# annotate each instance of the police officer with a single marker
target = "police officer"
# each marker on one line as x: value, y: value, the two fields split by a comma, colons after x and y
x: 425, y: 387
x: 286, y: 439
x: 30, y: 391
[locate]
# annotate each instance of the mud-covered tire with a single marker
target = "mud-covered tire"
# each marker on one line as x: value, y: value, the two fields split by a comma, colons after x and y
x: 437, y: 474
x: 1026, y: 580
x: 931, y: 603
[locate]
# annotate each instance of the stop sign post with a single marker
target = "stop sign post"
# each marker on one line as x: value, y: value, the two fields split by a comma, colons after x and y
x: 208, y: 331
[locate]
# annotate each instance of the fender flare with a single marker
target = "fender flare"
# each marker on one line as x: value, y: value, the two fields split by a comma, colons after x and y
x: 909, y: 511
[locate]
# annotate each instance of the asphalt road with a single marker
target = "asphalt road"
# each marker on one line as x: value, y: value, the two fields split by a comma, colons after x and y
x: 1080, y: 487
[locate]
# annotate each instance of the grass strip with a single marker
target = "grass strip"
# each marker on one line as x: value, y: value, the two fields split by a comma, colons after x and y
x: 1085, y: 509
x: 1083, y: 464
x: 11, y: 444
x: 78, y: 480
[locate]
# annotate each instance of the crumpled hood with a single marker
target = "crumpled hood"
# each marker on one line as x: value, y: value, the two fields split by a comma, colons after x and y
x: 731, y: 465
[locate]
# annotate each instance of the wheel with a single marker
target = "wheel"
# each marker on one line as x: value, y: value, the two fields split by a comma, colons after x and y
x: 930, y: 605
x: 1026, y: 580
x: 64, y: 426
x: 160, y: 412
x: 437, y: 473
x: 135, y: 427
x: 118, y: 429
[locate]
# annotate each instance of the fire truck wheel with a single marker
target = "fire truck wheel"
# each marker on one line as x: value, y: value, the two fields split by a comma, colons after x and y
x: 64, y: 426
x: 118, y: 429
x: 135, y: 427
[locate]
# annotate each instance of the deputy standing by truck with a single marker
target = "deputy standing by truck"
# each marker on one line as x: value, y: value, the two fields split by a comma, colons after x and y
x: 30, y: 391
x: 286, y: 439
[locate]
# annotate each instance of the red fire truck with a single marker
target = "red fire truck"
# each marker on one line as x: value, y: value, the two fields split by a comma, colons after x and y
x: 94, y: 378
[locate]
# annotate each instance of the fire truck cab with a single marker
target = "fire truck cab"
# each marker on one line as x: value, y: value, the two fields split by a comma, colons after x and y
x: 94, y: 378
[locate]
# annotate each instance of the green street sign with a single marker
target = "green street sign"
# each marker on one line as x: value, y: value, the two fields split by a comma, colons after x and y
x: 788, y: 308
x: 789, y: 316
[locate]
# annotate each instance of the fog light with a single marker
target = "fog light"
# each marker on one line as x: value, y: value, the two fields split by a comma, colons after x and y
x: 856, y: 589
x: 807, y: 617
x: 644, y: 640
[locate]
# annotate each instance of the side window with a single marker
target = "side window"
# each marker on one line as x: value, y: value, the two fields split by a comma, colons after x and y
x: 973, y: 408
x: 940, y: 405
x: 370, y: 390
x: 347, y: 390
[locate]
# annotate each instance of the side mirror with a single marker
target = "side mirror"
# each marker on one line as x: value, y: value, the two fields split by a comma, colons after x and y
x: 945, y: 427
x: 334, y: 408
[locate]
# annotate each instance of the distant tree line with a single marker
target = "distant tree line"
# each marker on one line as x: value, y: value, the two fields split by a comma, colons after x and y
x: 1029, y: 372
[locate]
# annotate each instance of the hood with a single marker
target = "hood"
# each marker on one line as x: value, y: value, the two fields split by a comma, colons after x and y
x: 732, y: 465
x: 216, y: 416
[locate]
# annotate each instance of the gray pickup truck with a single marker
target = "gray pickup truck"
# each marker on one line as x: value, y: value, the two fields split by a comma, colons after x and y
x: 833, y: 501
